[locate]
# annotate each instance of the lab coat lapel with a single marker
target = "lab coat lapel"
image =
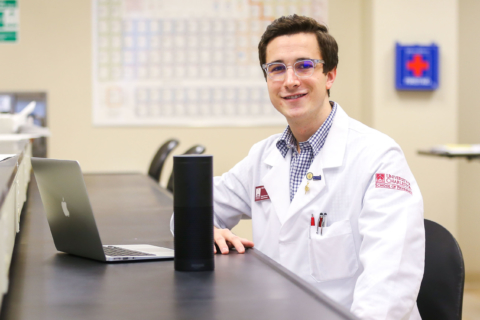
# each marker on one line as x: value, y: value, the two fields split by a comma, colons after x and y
x: 333, y: 151
x: 330, y: 156
x: 303, y: 199
x: 277, y: 182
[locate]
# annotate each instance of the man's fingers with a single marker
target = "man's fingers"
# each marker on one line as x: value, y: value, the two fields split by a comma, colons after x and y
x: 225, y: 239
x: 244, y: 244
x: 247, y: 243
x: 222, y: 244
x: 237, y: 243
x: 214, y: 249
x: 240, y: 243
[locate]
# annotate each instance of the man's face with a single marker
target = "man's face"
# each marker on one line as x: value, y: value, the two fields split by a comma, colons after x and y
x: 300, y: 100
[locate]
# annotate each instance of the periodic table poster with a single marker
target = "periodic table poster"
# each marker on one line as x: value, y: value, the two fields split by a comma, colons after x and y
x: 185, y: 62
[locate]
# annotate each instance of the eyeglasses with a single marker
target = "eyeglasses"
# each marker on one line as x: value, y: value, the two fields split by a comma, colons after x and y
x: 302, y: 68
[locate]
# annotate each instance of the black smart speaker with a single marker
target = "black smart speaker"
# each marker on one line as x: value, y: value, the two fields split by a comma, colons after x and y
x: 193, y: 208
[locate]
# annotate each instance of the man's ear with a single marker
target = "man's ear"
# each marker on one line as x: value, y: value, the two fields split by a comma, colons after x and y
x: 331, y: 76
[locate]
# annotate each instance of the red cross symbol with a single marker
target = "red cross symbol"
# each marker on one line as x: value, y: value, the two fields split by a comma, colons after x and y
x: 417, y: 65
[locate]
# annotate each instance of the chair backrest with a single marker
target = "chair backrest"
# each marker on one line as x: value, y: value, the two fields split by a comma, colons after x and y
x: 441, y: 291
x: 156, y: 166
x: 196, y: 149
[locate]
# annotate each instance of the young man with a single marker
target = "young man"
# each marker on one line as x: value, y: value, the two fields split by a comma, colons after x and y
x: 366, y: 248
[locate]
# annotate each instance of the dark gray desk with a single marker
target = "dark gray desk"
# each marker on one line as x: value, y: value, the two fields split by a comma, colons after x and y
x: 132, y: 209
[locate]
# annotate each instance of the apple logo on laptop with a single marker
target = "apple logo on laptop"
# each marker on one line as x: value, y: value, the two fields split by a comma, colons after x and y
x: 64, y: 208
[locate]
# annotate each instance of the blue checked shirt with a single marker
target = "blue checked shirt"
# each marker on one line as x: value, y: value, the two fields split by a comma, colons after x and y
x: 309, y: 149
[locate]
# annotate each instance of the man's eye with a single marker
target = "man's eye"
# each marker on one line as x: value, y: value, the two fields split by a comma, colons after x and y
x: 277, y: 68
x: 305, y: 65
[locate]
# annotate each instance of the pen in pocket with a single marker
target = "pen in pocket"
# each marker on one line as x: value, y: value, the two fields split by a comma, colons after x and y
x: 320, y: 221
x: 312, y: 224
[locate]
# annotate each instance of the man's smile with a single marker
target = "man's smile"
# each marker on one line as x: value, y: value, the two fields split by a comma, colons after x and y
x: 295, y: 96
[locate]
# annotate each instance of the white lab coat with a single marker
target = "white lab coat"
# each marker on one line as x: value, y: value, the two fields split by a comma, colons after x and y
x: 370, y: 258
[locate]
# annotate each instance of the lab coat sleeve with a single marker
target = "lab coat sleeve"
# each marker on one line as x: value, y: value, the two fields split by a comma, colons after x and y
x: 392, y: 249
x: 231, y: 194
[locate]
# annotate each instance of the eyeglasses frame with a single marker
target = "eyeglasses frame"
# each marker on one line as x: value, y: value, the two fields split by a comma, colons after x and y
x: 315, y: 62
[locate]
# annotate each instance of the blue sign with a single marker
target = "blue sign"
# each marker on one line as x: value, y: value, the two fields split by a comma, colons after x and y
x: 416, y: 67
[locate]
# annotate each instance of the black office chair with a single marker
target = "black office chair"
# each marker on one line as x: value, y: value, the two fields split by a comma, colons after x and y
x: 441, y: 291
x: 196, y: 149
x: 156, y: 166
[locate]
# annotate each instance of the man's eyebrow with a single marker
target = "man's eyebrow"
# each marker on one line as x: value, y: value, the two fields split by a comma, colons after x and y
x: 298, y: 59
x: 306, y: 58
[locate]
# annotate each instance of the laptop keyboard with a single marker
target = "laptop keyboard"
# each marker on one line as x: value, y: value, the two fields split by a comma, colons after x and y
x: 120, y: 252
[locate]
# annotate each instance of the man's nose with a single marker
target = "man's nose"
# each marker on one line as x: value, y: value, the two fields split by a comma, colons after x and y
x: 291, y: 79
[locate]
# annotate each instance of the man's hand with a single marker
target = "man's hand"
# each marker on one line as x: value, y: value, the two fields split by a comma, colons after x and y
x: 225, y: 239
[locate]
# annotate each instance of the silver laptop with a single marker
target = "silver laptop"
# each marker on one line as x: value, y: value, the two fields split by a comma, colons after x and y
x: 70, y: 216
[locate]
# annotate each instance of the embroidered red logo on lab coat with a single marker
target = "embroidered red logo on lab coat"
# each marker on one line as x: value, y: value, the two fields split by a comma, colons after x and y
x: 389, y: 181
x: 261, y: 194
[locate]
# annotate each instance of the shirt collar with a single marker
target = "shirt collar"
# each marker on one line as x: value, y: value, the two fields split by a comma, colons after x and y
x: 287, y: 140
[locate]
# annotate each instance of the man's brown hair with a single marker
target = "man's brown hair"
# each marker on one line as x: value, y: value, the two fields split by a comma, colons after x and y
x: 299, y: 24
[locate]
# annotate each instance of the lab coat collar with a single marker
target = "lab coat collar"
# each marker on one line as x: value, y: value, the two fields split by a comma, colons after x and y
x: 333, y: 151
x: 277, y: 180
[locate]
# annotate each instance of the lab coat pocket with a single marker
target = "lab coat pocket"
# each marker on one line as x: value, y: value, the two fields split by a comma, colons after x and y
x: 332, y: 254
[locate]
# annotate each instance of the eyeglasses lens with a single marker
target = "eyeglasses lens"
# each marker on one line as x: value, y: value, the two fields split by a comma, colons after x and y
x: 304, y: 68
x: 276, y: 70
